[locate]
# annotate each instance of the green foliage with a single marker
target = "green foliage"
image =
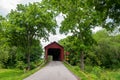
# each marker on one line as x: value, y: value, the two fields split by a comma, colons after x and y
x: 94, y: 12
x: 20, y: 65
x: 106, y: 52
x: 70, y: 45
x: 79, y: 20
x: 27, y: 25
x: 1, y: 65
x: 20, y: 34
x: 34, y: 20
x: 75, y: 47
x: 4, y: 45
x: 36, y: 51
x: 108, y: 10
x: 97, y: 71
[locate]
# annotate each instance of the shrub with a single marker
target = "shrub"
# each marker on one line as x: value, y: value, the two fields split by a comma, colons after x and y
x: 97, y: 71
x: 20, y: 64
x: 1, y: 65
x: 77, y: 68
x: 88, y: 68
x: 33, y: 65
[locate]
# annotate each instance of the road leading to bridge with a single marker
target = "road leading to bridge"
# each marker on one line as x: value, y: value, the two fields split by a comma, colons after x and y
x: 55, y: 70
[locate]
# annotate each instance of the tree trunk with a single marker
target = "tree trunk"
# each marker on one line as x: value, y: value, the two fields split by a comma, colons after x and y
x: 28, y: 61
x: 82, y: 61
x: 28, y: 58
x: 28, y: 51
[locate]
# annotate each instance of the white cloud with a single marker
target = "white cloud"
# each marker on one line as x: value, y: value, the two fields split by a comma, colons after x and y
x: 53, y: 38
x: 27, y: 1
x: 96, y: 29
x: 7, y: 5
x: 59, y: 19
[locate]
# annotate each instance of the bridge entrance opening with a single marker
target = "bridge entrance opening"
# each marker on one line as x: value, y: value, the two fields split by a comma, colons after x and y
x: 55, y: 53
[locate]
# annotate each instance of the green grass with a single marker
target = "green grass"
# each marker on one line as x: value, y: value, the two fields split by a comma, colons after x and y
x: 96, y: 73
x: 80, y: 74
x: 10, y: 74
x: 16, y: 74
x: 112, y: 75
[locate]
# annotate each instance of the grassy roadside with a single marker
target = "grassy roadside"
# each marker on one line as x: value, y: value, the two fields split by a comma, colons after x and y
x: 96, y: 73
x: 80, y: 74
x: 16, y: 74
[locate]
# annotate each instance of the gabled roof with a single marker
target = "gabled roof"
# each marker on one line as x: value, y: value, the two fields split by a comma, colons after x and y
x: 52, y: 44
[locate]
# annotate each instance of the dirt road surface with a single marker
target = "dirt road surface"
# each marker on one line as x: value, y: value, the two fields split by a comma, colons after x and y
x: 55, y: 70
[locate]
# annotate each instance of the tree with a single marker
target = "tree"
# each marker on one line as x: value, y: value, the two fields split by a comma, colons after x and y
x: 28, y: 23
x: 107, y: 50
x: 108, y: 12
x: 77, y: 50
x: 70, y: 46
x: 78, y: 20
x: 4, y: 45
x: 82, y: 15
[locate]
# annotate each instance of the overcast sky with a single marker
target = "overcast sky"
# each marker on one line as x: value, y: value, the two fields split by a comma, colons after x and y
x: 7, y: 5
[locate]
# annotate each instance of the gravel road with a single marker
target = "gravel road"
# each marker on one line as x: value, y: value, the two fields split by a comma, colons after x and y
x: 55, y: 70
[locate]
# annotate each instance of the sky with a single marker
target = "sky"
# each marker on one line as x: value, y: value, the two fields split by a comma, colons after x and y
x: 7, y: 5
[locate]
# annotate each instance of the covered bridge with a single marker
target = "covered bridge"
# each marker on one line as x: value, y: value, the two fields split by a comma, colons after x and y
x: 55, y: 50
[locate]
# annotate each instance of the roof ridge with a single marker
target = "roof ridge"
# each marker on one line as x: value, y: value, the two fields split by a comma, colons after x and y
x: 53, y: 43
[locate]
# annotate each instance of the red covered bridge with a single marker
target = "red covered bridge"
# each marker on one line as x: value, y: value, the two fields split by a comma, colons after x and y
x: 55, y: 50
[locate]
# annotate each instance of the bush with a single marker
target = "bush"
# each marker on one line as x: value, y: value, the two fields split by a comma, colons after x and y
x: 97, y: 71
x: 20, y: 64
x: 1, y: 65
x: 88, y: 68
x: 38, y: 62
x: 77, y: 68
x: 33, y: 65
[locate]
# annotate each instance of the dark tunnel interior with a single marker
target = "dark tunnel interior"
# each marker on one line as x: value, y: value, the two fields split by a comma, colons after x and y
x: 55, y: 53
